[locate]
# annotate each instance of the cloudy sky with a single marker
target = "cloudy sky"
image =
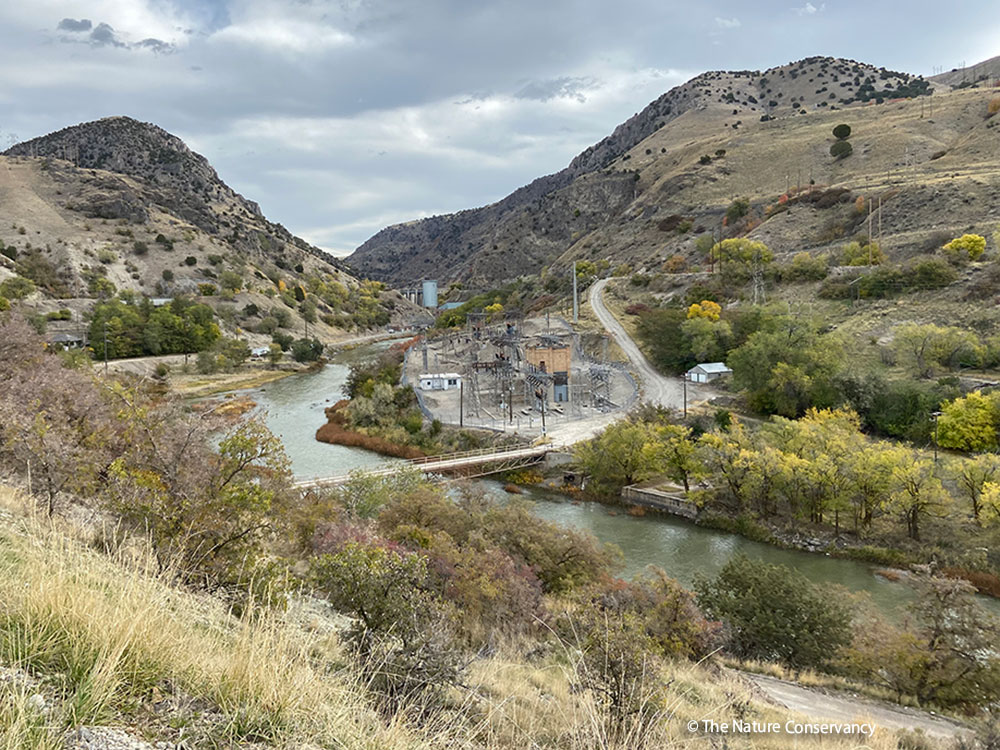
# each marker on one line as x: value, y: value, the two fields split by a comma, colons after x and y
x: 343, y: 116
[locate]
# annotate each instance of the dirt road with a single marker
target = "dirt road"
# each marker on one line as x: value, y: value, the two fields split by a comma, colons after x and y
x: 820, y: 706
x: 656, y: 388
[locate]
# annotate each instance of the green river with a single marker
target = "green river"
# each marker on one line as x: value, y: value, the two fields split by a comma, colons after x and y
x: 294, y: 410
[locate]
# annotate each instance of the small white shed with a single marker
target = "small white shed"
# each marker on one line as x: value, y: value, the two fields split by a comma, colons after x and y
x: 440, y: 381
x: 707, y: 372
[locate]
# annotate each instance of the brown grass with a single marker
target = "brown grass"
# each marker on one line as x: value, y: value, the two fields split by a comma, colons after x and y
x: 985, y: 583
x: 336, y: 434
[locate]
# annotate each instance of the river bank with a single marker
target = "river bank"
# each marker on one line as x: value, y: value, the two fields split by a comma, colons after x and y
x: 294, y: 408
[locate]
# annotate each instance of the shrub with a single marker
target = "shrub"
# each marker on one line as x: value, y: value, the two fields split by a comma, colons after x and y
x: 675, y: 264
x: 842, y: 131
x: 190, y: 261
x: 16, y: 287
x: 993, y: 107
x: 398, y: 635
x: 775, y: 613
x: 167, y: 274
x: 705, y: 159
x: 207, y: 290
x: 805, y: 267
x: 857, y: 254
x: 231, y: 281
x: 841, y: 150
x: 966, y: 247
x: 737, y: 210
x: 9, y: 251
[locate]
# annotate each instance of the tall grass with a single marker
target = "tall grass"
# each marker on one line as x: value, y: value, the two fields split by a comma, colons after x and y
x: 107, y: 635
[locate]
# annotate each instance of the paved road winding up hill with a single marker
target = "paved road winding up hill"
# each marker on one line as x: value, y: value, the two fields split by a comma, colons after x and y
x: 656, y: 388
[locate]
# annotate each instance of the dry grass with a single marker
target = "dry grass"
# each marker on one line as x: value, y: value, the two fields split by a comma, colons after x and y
x: 111, y: 643
x: 108, y: 637
x: 534, y: 706
x: 198, y: 386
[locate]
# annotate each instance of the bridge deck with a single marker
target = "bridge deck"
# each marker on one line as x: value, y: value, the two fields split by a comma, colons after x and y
x: 481, y: 458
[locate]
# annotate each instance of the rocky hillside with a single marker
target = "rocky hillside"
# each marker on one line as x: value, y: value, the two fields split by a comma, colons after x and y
x: 125, y: 202
x: 536, y: 224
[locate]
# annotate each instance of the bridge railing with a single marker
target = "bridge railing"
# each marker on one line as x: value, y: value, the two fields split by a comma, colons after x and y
x: 488, y: 454
x: 473, y: 454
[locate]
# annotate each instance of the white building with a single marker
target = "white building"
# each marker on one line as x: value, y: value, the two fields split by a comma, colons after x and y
x: 440, y: 381
x: 707, y: 371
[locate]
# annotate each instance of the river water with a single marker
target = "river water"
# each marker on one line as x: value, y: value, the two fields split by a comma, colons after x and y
x: 294, y: 410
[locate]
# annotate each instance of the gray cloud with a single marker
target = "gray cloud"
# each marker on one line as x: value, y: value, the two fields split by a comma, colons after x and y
x: 103, y: 35
x: 565, y: 87
x: 294, y: 102
x: 71, y: 24
x: 156, y: 45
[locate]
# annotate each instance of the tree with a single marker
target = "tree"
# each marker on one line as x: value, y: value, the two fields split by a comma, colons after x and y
x: 54, y: 427
x: 966, y: 247
x: 920, y: 348
x: 678, y: 454
x: 842, y: 131
x: 307, y: 350
x: 841, y: 150
x: 741, y: 254
x: 705, y: 309
x: 810, y: 364
x: 623, y: 454
x: 869, y: 472
x: 737, y: 210
x: 775, y: 613
x: 916, y: 491
x: 707, y: 341
x: 970, y: 423
x: 274, y: 353
x: 945, y: 654
x: 972, y: 475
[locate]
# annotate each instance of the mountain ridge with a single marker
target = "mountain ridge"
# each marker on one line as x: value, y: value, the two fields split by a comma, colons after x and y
x: 458, y: 246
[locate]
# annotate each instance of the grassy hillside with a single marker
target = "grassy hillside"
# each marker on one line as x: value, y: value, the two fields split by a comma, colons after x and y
x: 109, y: 644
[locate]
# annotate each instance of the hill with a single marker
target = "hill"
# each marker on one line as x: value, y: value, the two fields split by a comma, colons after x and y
x: 125, y: 202
x: 670, y: 172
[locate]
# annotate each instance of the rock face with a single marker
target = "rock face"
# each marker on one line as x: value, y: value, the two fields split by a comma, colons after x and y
x: 537, y: 223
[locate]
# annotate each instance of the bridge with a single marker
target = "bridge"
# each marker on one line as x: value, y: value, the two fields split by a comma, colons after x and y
x: 467, y: 464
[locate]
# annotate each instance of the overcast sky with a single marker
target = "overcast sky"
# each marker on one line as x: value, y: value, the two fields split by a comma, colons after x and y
x: 343, y: 116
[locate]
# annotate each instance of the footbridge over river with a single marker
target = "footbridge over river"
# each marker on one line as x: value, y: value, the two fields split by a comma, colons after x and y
x: 467, y: 464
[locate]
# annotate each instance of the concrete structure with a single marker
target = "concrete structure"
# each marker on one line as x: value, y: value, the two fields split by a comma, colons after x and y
x: 666, y: 498
x: 706, y: 372
x: 440, y: 381
x: 429, y: 293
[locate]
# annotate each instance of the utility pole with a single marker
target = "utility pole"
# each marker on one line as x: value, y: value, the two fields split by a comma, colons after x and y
x: 576, y: 301
x: 543, y: 412
x: 936, y: 414
x: 461, y: 402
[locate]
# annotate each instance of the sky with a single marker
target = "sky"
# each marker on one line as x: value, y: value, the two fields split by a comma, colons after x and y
x: 341, y: 117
